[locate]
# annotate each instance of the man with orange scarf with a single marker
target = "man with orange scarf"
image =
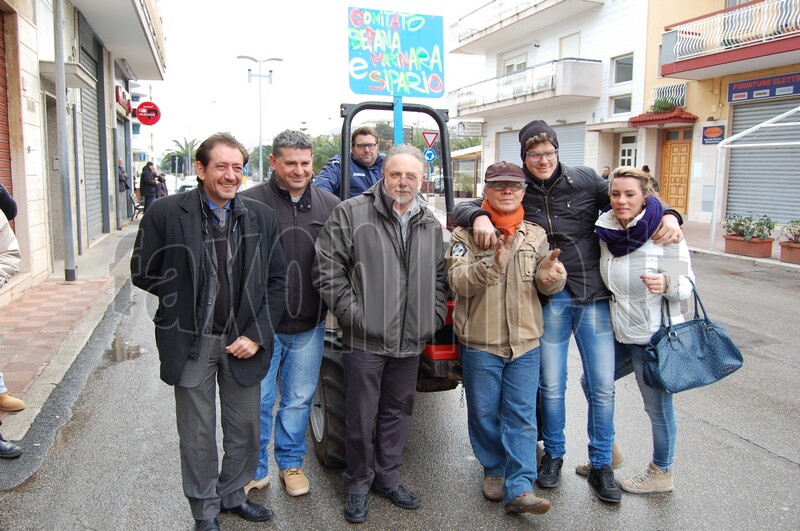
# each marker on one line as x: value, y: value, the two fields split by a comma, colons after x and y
x: 498, y: 321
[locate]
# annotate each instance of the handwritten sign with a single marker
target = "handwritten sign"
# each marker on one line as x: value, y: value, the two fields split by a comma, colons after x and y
x: 395, y: 54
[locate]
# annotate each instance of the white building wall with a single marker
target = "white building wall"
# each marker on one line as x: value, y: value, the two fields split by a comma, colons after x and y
x: 616, y: 28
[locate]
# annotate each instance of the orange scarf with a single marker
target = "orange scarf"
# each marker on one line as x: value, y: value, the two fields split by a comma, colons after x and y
x: 505, y: 223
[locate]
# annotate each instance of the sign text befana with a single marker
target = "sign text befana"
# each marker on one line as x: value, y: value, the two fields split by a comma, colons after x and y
x: 395, y: 54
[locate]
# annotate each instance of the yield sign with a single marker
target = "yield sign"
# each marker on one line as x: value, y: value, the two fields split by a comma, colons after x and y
x: 430, y: 137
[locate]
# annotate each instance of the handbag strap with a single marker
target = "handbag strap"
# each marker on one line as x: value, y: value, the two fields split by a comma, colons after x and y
x: 698, y: 304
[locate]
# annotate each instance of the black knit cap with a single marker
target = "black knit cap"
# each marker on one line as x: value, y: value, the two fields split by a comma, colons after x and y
x: 532, y: 129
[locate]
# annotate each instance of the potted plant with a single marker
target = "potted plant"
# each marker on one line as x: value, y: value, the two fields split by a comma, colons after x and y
x: 748, y: 235
x: 790, y: 245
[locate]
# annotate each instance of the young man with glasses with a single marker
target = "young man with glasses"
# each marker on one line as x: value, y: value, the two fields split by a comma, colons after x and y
x: 365, y: 165
x: 565, y: 201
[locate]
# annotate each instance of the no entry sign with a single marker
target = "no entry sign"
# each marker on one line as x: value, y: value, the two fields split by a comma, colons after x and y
x: 148, y: 113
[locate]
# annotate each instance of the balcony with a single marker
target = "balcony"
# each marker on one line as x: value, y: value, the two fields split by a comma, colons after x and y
x: 742, y: 39
x: 502, y: 22
x: 561, y: 82
x: 674, y: 94
x: 131, y: 30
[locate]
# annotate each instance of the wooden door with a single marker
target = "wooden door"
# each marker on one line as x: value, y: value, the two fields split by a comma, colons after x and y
x: 675, y: 160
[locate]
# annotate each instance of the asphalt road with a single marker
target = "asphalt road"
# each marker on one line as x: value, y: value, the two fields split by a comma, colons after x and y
x: 114, y: 463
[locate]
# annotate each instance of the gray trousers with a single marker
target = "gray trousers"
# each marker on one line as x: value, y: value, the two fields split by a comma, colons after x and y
x: 380, y: 393
x: 204, y: 484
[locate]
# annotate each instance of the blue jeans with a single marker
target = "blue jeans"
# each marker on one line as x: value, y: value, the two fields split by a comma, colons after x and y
x: 658, y: 405
x: 501, y: 415
x: 591, y: 325
x: 148, y: 200
x: 296, y: 359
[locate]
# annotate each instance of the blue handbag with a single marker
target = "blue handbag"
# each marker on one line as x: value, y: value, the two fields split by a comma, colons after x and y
x: 690, y: 354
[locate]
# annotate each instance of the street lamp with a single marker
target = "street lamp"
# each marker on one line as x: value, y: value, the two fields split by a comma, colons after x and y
x: 250, y: 76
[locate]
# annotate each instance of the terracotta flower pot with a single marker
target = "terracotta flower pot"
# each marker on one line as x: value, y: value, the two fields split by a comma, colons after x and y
x: 753, y: 247
x: 790, y: 252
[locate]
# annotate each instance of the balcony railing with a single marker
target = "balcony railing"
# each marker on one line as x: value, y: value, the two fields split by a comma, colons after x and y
x: 575, y: 76
x: 490, y: 14
x: 746, y: 25
x: 674, y: 94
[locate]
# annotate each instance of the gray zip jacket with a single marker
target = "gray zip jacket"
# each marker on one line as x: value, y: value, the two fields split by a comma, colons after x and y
x: 389, y: 298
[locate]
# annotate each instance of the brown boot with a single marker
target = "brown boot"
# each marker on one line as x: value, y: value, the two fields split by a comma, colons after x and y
x: 10, y: 403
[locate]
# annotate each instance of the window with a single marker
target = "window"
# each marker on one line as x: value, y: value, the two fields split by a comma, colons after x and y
x: 627, y: 151
x: 514, y: 64
x: 135, y: 128
x: 570, y: 46
x: 623, y: 69
x: 621, y: 104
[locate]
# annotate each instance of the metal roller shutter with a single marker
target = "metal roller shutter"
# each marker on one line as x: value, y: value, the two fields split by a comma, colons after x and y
x: 571, y: 143
x: 91, y: 152
x: 764, y: 180
x: 508, y: 147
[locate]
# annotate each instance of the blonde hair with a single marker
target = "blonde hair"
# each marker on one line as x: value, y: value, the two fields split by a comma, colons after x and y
x: 636, y: 173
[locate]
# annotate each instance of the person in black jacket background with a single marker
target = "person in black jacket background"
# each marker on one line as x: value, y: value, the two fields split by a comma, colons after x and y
x: 148, y: 185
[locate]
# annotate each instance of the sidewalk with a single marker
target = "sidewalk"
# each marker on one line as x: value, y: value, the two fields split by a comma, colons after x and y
x: 43, y: 332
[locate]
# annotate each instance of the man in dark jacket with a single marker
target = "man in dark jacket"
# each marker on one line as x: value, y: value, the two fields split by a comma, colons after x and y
x: 302, y: 211
x: 148, y: 185
x: 365, y: 165
x: 565, y: 201
x: 380, y: 268
x: 214, y: 262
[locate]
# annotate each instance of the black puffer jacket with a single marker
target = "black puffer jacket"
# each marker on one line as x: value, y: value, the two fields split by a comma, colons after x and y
x: 566, y: 206
x: 299, y: 224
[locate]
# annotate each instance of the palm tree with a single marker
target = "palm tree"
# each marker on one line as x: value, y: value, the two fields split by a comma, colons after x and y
x: 184, y: 151
x: 325, y: 147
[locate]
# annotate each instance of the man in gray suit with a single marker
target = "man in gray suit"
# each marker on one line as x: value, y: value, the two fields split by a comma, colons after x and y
x: 214, y: 261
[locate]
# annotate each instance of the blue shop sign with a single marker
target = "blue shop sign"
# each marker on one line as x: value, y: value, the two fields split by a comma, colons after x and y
x: 764, y: 88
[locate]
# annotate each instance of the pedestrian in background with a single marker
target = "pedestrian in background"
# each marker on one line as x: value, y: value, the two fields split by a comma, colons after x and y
x: 7, y: 204
x: 380, y: 269
x: 122, y: 176
x: 653, y: 181
x: 498, y: 321
x: 640, y: 274
x: 365, y: 165
x: 213, y: 260
x: 301, y: 211
x: 148, y: 185
x: 606, y: 172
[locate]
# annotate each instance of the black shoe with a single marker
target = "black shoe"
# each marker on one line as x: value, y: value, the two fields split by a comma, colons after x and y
x: 399, y: 495
x: 212, y: 524
x: 602, y: 480
x: 549, y: 469
x: 250, y: 511
x: 355, y: 508
x: 9, y: 450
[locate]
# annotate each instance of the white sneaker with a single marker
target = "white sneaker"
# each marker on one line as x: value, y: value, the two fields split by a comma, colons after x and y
x: 653, y: 479
x: 256, y: 484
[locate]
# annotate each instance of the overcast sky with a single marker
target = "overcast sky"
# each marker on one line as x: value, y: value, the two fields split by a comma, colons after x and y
x: 206, y: 89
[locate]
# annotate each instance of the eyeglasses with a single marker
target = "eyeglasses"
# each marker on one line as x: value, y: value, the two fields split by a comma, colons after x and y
x: 366, y: 146
x: 536, y: 156
x: 500, y: 186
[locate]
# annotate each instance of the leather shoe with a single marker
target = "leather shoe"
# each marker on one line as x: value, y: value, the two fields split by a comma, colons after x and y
x: 9, y: 450
x: 355, y: 508
x: 252, y: 512
x: 212, y: 524
x: 399, y: 495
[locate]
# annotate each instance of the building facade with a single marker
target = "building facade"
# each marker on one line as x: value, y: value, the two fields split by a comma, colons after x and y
x: 106, y: 45
x: 627, y: 82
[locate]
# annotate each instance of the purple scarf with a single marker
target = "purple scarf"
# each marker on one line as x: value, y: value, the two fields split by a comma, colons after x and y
x: 625, y: 241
